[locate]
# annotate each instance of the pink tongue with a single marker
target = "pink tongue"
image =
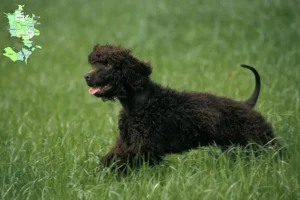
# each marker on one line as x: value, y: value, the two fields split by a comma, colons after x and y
x: 93, y: 90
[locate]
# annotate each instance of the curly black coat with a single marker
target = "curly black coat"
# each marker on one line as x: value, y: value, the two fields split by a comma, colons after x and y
x: 156, y: 120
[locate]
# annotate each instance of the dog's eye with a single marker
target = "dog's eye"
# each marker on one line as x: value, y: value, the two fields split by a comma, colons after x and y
x: 102, y: 65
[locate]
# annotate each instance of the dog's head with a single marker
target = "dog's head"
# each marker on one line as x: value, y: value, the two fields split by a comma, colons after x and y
x: 115, y: 72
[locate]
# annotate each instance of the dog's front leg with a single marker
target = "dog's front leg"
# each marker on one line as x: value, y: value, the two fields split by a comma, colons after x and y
x: 122, y: 155
x: 119, y: 156
x: 134, y: 155
x: 109, y: 158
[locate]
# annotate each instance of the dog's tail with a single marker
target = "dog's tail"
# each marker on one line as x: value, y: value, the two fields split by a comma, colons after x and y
x: 253, y: 99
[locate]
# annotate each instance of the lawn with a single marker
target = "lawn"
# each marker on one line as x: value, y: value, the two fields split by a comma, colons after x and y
x: 52, y: 130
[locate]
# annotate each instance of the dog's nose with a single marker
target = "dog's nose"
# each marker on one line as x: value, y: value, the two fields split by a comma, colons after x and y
x: 87, y: 77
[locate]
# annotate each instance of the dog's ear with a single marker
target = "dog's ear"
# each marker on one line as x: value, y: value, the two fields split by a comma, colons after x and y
x: 140, y: 70
x: 95, y: 47
x: 136, y: 74
x: 145, y: 69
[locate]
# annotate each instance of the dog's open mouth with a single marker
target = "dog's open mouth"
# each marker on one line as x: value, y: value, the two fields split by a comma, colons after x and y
x: 99, y: 89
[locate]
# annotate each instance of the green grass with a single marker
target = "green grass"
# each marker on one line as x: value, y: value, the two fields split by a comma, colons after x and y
x: 51, y: 129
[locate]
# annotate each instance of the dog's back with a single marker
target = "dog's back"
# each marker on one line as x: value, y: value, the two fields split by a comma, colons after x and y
x: 204, y: 119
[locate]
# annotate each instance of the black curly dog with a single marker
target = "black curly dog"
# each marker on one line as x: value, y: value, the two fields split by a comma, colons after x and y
x: 156, y: 120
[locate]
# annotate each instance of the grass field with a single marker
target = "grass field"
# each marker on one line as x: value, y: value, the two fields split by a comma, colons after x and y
x: 52, y: 130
